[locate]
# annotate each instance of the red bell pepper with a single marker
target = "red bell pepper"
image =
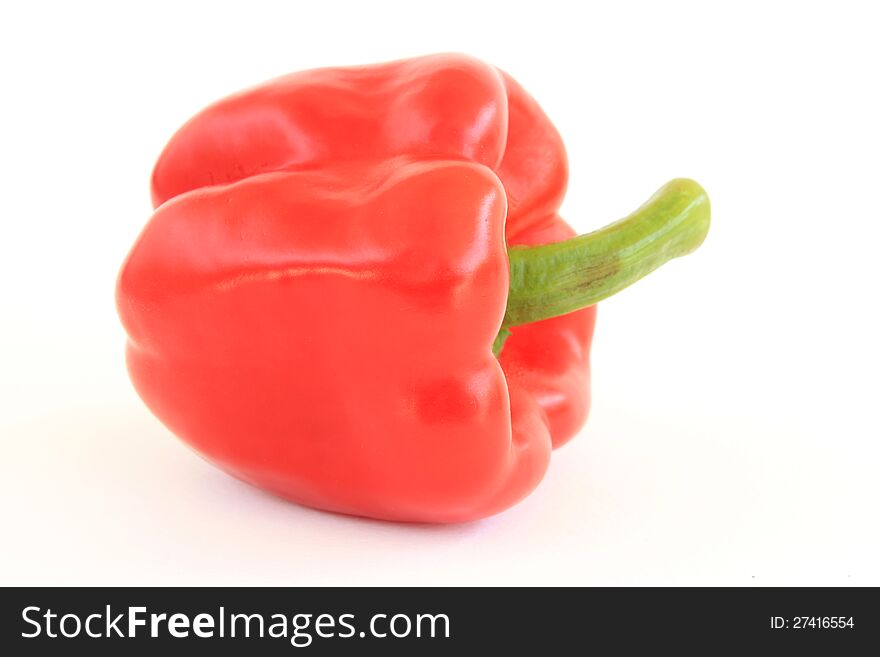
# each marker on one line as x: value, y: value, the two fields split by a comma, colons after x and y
x: 356, y: 291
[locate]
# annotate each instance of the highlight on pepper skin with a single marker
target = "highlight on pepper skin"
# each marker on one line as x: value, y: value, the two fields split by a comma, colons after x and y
x: 356, y: 290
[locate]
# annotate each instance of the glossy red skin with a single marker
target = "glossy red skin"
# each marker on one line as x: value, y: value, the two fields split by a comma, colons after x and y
x: 312, y: 305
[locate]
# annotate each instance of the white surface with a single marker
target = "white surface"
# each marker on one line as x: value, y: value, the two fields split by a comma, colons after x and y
x: 734, y: 434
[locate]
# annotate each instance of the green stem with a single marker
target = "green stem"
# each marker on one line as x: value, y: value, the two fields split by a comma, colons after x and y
x: 555, y: 279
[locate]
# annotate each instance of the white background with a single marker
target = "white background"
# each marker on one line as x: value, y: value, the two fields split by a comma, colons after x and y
x: 734, y: 434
